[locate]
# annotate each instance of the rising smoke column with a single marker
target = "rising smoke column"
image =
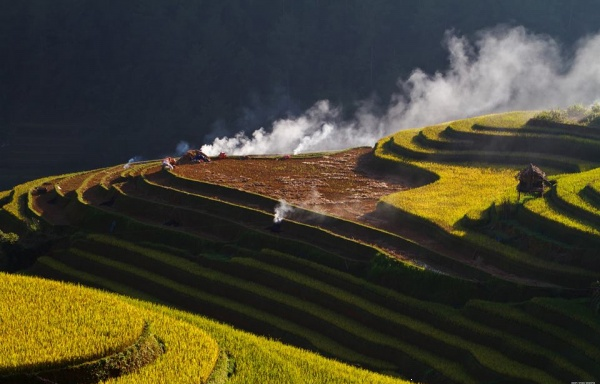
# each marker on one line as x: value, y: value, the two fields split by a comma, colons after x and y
x: 131, y: 161
x: 282, y: 210
x: 503, y: 69
x: 320, y: 127
x: 182, y: 148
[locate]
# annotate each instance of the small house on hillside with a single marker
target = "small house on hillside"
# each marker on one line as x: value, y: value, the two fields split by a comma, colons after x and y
x: 532, y: 180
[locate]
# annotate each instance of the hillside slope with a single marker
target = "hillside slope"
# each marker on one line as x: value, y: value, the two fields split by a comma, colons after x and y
x: 193, y: 349
x: 416, y: 258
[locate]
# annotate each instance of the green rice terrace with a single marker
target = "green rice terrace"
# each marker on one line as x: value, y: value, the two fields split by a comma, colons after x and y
x: 463, y: 252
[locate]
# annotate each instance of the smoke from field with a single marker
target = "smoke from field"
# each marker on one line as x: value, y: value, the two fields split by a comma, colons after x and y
x: 181, y: 148
x: 132, y: 160
x: 502, y: 69
x: 282, y: 210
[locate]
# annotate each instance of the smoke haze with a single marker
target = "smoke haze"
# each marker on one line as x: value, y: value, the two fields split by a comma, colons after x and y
x: 182, y: 148
x: 503, y: 69
x: 132, y: 160
x: 282, y: 210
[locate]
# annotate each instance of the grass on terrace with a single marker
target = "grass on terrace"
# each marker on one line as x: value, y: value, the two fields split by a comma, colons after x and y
x: 570, y: 186
x: 461, y: 188
x: 543, y: 208
x: 261, y: 360
x: 84, y: 323
x: 569, y: 189
x: 41, y: 328
x: 4, y: 196
x: 469, y: 189
x: 17, y: 206
x: 468, y: 186
x: 595, y: 186
x: 47, y: 324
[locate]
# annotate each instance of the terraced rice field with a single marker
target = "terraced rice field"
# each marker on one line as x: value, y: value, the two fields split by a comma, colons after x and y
x: 91, y: 337
x: 413, y: 259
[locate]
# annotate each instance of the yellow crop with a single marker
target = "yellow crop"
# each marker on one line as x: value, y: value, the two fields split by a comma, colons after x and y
x: 260, y: 360
x: 514, y: 120
x: 47, y: 324
x: 190, y: 354
x: 569, y: 188
x: 4, y: 194
x: 460, y: 188
x: 595, y: 185
x: 541, y: 207
x: 17, y: 206
x: 190, y: 350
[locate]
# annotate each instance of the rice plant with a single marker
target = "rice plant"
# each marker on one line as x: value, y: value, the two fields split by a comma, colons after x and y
x: 47, y: 324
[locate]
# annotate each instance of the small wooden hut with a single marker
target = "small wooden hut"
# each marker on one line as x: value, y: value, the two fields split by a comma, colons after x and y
x: 532, y: 180
x: 193, y: 156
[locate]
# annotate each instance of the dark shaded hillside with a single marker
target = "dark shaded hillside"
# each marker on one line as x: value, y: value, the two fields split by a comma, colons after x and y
x: 181, y: 70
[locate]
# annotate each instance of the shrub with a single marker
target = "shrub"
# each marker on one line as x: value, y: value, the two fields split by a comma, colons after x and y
x: 592, y: 120
x: 576, y: 112
x: 17, y: 252
x: 555, y: 115
x: 7, y: 241
x: 8, y: 238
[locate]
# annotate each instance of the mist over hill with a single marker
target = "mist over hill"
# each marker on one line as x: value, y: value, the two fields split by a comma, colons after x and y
x: 505, y: 68
x: 87, y: 84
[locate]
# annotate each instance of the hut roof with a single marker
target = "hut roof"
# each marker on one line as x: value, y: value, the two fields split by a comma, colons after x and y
x: 532, y: 172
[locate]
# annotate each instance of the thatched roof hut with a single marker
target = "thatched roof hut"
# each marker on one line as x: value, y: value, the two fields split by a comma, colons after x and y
x: 193, y: 156
x: 532, y: 180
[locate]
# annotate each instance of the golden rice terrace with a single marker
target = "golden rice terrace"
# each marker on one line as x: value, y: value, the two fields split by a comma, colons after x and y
x: 463, y: 252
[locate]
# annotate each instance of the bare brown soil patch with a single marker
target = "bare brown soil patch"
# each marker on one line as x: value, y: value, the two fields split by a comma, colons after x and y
x: 344, y: 184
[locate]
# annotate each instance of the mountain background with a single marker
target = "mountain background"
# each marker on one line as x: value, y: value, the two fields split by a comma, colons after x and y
x: 94, y: 83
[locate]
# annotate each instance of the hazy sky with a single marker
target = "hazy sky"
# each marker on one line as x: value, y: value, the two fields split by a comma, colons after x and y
x: 501, y: 69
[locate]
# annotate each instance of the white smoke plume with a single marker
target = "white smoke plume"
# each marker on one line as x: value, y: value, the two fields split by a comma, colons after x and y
x: 282, y: 210
x: 131, y: 161
x: 182, y: 148
x: 503, y: 69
